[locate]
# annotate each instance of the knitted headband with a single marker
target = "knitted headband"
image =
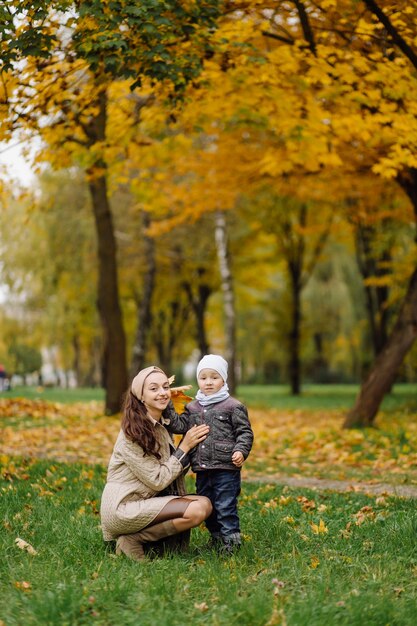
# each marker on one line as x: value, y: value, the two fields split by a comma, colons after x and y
x: 213, y: 362
x: 139, y: 381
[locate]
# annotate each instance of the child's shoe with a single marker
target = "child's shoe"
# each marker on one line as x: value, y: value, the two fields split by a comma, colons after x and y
x: 231, y: 544
x: 215, y: 542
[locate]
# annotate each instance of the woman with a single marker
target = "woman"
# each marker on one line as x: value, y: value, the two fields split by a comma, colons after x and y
x: 144, y: 498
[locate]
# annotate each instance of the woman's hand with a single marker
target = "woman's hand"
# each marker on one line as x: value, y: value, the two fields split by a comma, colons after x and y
x: 193, y: 437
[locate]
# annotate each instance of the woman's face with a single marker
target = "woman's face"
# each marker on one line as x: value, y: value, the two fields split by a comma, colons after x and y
x: 156, y: 394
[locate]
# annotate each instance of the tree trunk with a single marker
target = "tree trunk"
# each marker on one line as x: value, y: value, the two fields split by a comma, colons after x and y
x: 76, y: 364
x: 228, y: 296
x: 384, y: 371
x: 114, y: 341
x: 167, y: 328
x: 376, y: 295
x: 144, y: 306
x: 92, y: 377
x: 295, y: 331
x: 199, y: 306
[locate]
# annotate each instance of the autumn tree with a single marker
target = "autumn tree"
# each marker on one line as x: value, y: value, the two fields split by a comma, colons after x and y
x: 344, y: 99
x: 59, y: 63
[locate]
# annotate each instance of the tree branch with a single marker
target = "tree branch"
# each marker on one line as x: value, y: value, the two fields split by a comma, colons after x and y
x: 305, y: 25
x: 392, y: 31
x: 267, y: 33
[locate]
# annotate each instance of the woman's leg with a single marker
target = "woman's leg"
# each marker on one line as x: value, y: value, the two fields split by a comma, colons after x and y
x: 179, y: 515
x: 185, y: 512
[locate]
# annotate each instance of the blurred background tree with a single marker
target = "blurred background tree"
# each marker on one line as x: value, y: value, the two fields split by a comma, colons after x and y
x: 294, y: 122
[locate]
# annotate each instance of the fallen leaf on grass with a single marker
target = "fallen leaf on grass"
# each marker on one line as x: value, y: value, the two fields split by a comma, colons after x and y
x: 202, y: 606
x: 306, y: 504
x: 319, y: 529
x: 366, y: 513
x: 315, y: 562
x: 24, y: 545
x: 346, y: 532
x: 283, y: 439
x: 23, y: 584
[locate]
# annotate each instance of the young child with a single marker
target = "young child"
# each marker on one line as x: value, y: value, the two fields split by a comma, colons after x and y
x: 217, y: 460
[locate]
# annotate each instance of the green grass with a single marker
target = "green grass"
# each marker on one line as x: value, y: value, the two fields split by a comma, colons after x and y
x: 366, y: 574
x: 332, y: 396
x: 55, y: 394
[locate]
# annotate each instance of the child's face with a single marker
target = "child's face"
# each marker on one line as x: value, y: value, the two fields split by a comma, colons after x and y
x: 210, y: 381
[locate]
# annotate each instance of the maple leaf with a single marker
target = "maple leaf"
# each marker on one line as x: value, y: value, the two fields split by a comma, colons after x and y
x: 179, y: 398
x: 315, y: 562
x: 319, y: 529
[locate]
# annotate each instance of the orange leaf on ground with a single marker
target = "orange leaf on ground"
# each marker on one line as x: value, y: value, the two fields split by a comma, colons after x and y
x: 23, y: 584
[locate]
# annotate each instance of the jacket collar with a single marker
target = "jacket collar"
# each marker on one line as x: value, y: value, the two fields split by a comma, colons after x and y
x: 164, y: 420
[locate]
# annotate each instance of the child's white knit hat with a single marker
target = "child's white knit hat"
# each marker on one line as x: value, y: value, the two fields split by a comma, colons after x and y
x: 213, y: 362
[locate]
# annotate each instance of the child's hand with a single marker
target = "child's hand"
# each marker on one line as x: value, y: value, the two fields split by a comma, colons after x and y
x: 238, y: 458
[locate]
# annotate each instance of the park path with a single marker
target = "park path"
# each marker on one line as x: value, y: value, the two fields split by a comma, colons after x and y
x: 323, y: 484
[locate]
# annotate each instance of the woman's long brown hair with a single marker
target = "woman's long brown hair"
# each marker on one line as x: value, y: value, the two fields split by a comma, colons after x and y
x: 137, y: 426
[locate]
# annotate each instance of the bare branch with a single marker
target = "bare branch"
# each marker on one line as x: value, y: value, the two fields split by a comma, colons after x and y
x: 392, y: 31
x: 305, y: 25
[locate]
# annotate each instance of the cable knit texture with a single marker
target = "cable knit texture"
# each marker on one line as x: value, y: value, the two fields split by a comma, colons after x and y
x: 130, y: 498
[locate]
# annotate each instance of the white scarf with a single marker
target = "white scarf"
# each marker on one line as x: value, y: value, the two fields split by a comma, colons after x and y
x: 220, y: 395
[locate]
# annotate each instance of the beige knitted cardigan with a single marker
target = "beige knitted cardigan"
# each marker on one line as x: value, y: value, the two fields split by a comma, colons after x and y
x: 128, y: 502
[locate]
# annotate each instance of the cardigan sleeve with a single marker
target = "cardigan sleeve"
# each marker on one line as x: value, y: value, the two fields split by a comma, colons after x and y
x: 152, y: 472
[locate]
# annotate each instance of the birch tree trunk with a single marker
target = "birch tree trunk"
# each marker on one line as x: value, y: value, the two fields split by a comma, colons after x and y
x: 226, y: 276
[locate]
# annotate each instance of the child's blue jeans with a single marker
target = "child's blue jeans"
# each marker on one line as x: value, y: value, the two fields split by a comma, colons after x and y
x: 222, y: 487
